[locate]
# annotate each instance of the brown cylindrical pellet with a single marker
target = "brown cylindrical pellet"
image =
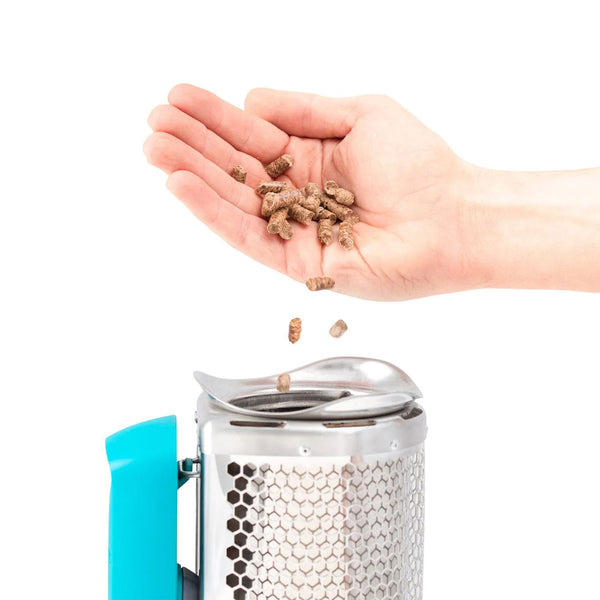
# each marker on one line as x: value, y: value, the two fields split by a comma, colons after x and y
x: 311, y: 189
x: 330, y: 187
x: 325, y: 231
x: 277, y: 220
x: 279, y: 166
x: 344, y: 197
x: 345, y: 235
x: 273, y: 201
x: 341, y: 212
x: 312, y: 197
x: 286, y: 232
x: 340, y: 195
x: 311, y: 203
x: 283, y: 383
x: 295, y: 330
x: 315, y: 284
x: 323, y: 213
x: 264, y: 187
x: 300, y: 214
x: 239, y: 173
x: 338, y: 329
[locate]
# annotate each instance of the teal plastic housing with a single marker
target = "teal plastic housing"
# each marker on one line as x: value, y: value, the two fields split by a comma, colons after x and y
x: 142, y: 555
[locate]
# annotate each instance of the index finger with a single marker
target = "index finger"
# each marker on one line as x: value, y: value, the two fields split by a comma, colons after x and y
x: 244, y: 131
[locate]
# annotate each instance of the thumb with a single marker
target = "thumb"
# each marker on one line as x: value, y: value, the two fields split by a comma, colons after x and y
x: 304, y: 115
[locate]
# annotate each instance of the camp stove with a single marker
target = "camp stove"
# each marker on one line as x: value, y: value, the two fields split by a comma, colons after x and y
x: 316, y: 493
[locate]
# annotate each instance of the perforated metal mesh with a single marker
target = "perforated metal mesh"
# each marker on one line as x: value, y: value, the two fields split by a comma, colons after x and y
x: 316, y: 531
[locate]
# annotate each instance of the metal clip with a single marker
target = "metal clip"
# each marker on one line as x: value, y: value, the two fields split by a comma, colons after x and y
x: 188, y: 468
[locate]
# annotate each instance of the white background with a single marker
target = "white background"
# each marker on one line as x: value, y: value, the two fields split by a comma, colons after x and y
x: 112, y: 293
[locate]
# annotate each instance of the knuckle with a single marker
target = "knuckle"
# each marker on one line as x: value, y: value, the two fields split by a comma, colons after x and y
x: 379, y: 100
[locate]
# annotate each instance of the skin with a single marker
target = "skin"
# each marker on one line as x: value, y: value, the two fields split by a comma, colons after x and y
x: 430, y: 222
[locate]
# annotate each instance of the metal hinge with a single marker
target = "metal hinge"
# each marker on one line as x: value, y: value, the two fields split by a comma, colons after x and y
x: 189, y: 468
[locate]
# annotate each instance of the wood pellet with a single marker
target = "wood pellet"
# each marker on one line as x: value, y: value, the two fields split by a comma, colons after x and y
x: 239, y: 173
x: 283, y: 383
x: 315, y: 284
x: 310, y: 203
x: 294, y: 330
x: 338, y: 329
x: 279, y: 166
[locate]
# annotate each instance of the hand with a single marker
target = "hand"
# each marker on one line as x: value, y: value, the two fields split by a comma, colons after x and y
x: 409, y: 242
x: 425, y: 224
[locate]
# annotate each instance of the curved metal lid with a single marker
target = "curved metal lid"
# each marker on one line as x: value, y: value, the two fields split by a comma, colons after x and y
x: 334, y: 388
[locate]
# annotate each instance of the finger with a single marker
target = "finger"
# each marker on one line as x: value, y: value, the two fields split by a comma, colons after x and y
x: 171, y: 154
x: 305, y: 115
x: 242, y: 130
x: 239, y: 229
x: 169, y: 119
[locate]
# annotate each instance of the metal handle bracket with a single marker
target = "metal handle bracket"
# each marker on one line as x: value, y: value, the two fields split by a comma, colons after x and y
x: 188, y: 468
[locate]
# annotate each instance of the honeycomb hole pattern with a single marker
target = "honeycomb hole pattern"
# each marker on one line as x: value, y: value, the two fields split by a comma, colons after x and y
x: 327, y: 532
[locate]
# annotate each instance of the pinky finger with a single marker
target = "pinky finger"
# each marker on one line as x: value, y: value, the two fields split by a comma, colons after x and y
x: 245, y: 232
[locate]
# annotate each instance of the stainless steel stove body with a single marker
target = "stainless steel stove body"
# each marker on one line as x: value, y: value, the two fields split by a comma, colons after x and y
x: 313, y: 494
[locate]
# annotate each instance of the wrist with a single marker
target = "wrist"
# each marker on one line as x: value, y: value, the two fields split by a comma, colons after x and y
x: 533, y: 230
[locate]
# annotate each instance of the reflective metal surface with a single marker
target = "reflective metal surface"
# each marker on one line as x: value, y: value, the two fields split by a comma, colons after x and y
x: 344, y: 388
x: 311, y: 530
x: 315, y: 494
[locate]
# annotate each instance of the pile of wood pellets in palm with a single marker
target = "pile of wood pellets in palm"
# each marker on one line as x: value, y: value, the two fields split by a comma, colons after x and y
x: 283, y: 203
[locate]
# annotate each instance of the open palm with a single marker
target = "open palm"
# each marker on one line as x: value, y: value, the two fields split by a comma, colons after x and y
x: 409, y: 241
